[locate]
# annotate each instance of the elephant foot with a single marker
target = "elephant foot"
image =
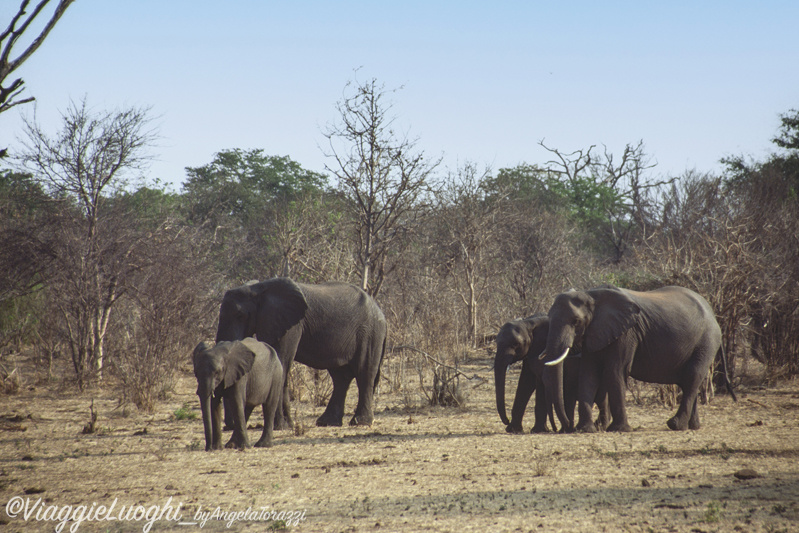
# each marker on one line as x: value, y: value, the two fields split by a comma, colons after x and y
x: 282, y: 424
x: 620, y: 427
x: 586, y: 428
x: 363, y: 420
x: 514, y: 428
x: 329, y: 421
x: 263, y: 443
x: 232, y: 444
x: 539, y: 429
x: 675, y: 424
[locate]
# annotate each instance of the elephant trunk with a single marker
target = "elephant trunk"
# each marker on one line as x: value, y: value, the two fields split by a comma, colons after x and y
x: 559, y: 342
x: 500, y: 368
x: 553, y: 385
x: 205, y: 405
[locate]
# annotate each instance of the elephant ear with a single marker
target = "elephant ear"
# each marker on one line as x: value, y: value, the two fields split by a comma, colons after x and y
x: 238, y: 361
x: 282, y: 305
x: 614, y: 313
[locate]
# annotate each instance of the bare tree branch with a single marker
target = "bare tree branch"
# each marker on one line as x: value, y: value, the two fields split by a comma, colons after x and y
x: 10, y: 37
x: 380, y: 172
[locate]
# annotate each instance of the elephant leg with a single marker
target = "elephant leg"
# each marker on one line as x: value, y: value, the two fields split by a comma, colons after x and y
x: 364, y: 410
x: 524, y: 390
x: 334, y: 413
x: 614, y: 382
x: 269, y: 418
x: 247, y: 412
x: 603, y: 420
x: 588, y: 385
x: 270, y: 407
x: 266, y: 435
x: 239, y: 437
x: 693, y: 422
x: 542, y: 410
x: 684, y: 417
x: 282, y: 418
x: 366, y: 366
x: 287, y: 350
x: 571, y: 373
x: 229, y: 408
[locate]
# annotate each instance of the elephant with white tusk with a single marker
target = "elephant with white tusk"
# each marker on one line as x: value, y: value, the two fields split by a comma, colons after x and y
x: 522, y: 340
x: 669, y: 335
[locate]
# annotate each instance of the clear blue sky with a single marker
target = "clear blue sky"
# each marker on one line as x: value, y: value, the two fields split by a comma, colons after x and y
x: 482, y: 81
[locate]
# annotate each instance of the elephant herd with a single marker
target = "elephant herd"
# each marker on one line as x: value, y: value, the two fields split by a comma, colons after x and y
x: 580, y: 353
x: 332, y: 326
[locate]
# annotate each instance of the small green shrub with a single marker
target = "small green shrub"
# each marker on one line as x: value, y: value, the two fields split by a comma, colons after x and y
x: 713, y: 513
x: 185, y: 412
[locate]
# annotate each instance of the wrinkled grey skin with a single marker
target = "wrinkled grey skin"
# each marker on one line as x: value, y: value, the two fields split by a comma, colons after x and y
x: 332, y: 326
x: 524, y: 340
x: 668, y: 335
x: 245, y: 373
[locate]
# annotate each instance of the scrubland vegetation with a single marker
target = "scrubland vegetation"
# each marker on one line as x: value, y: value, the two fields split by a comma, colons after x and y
x: 109, y: 281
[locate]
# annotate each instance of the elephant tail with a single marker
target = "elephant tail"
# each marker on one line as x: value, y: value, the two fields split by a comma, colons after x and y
x: 726, y: 374
x: 380, y: 364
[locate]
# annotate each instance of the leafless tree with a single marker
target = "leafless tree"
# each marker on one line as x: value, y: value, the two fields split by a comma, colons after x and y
x: 91, y: 155
x: 617, y: 192
x: 306, y: 242
x: 468, y: 224
x: 20, y: 24
x: 381, y: 173
x: 82, y: 164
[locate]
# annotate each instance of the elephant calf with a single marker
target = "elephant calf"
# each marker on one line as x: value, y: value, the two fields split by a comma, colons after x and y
x: 523, y: 340
x: 245, y: 373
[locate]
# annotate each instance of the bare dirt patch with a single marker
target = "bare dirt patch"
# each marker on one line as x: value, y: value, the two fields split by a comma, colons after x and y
x: 414, y: 469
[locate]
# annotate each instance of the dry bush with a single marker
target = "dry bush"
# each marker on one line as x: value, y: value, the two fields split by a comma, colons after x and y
x: 309, y: 384
x: 542, y: 259
x: 438, y: 382
x: 10, y: 379
x: 161, y: 319
x: 447, y: 390
x: 739, y: 249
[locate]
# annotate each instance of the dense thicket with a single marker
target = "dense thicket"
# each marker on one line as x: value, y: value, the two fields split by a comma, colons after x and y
x: 472, y: 249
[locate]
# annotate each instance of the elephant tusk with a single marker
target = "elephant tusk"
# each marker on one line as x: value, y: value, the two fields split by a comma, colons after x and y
x: 559, y: 359
x: 543, y: 354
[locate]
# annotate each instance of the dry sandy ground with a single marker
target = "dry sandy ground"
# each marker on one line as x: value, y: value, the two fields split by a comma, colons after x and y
x: 413, y: 470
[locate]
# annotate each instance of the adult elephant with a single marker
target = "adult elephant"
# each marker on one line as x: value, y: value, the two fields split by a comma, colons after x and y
x: 523, y: 340
x: 332, y: 326
x: 669, y: 335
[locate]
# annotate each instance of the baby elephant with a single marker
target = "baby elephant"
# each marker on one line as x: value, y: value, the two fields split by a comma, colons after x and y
x: 244, y: 373
x: 522, y: 340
